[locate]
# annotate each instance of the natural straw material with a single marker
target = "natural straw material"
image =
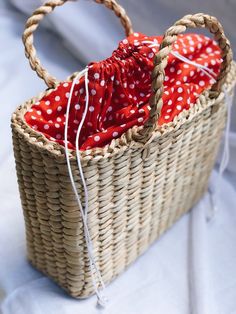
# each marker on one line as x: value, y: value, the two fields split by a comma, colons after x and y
x: 137, y: 188
x: 38, y: 15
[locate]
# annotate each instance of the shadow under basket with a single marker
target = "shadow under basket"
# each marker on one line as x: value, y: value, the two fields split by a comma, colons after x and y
x: 136, y: 191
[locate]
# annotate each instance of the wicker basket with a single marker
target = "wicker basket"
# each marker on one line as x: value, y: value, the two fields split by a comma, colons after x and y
x: 138, y: 185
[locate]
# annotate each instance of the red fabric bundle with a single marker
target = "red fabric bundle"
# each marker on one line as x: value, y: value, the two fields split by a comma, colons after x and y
x: 120, y: 88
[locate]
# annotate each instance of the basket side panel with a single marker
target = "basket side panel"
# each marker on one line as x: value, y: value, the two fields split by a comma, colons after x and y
x: 133, y: 199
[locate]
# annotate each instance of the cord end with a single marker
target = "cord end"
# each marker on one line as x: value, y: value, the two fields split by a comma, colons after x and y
x: 101, y: 301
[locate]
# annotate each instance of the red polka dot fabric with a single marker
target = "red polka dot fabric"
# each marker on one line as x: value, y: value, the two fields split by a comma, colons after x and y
x: 120, y: 88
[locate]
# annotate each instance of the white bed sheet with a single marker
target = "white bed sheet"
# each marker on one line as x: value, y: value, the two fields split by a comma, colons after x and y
x: 191, y: 269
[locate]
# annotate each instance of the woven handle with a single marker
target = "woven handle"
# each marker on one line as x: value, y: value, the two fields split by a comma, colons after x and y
x: 38, y: 15
x: 160, y: 62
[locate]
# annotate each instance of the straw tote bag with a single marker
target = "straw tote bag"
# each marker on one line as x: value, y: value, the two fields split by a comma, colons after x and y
x: 138, y: 185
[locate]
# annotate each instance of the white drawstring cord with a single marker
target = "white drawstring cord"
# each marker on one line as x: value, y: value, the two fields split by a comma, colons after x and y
x: 214, y: 186
x: 213, y: 190
x: 225, y: 157
x: 101, y: 300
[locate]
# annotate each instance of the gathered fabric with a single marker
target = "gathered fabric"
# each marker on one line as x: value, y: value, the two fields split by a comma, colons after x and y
x: 120, y: 89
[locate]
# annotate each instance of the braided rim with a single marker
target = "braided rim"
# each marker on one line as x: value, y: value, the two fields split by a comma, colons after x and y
x: 33, y: 22
x: 199, y: 20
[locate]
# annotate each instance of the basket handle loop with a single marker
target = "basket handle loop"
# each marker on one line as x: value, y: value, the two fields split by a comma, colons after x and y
x: 199, y: 20
x: 33, y: 22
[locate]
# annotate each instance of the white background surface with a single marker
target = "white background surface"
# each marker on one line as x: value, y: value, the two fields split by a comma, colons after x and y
x: 192, y: 268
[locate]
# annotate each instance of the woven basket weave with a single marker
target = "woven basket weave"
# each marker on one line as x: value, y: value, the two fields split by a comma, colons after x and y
x: 138, y: 185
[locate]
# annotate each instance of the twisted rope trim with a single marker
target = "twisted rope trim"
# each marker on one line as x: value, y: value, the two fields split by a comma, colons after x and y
x: 199, y: 20
x: 33, y: 23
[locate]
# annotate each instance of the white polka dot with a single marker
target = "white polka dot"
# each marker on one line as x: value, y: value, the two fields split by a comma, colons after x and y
x: 132, y: 111
x: 191, y: 49
x: 191, y: 42
x: 125, y: 41
x: 114, y: 134
x: 172, y: 69
x: 167, y: 117
x: 91, y: 108
x: 49, y: 111
x: 57, y: 125
x: 179, y: 72
x: 57, y: 98
x: 81, y: 91
x: 35, y: 127
x: 96, y: 138
x: 209, y: 49
x: 46, y: 126
x: 33, y: 117
x: 191, y: 73
x: 131, y: 86
x: 47, y: 103
x: 178, y: 107
x: 65, y: 84
x: 186, y: 66
x: 213, y: 62
x: 178, y: 83
x: 167, y: 78
x: 59, y: 108
x: 136, y: 34
x: 169, y: 102
x: 168, y: 110
x: 180, y: 98
x: 212, y: 81
x: 185, y: 78
x: 39, y: 112
x: 142, y: 94
x: 140, y: 119
x: 109, y: 109
x: 96, y: 75
x: 67, y: 95
x: 93, y: 92
x: 141, y: 110
x: 180, y: 90
x: 151, y: 55
x: 77, y: 106
x: 201, y: 83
